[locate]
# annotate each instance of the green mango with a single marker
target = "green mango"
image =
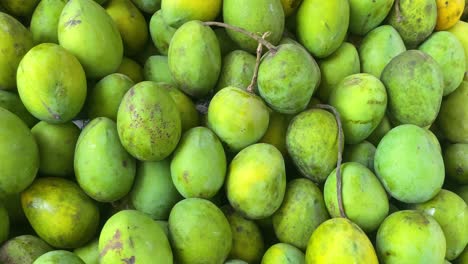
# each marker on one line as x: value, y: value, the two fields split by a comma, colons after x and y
x: 258, y: 16
x: 19, y: 154
x: 287, y: 78
x: 415, y: 85
x: 153, y: 192
x: 156, y: 69
x: 434, y: 139
x: 322, y: 25
x: 71, y: 219
x: 448, y: 52
x: 235, y: 261
x: 51, y: 83
x: 276, y: 132
x: 342, y: 63
x: 420, y: 172
x: 132, y: 69
x: 238, y: 118
x: 302, y: 211
x: 361, y: 190
x: 16, y: 41
x: 413, y: 19
x: 199, y: 232
x: 282, y: 253
x: 56, y: 143
x: 23, y: 249
x: 45, y: 19
x: 20, y: 9
x: 380, y: 131
x: 362, y: 153
x: 89, y: 253
x: 453, y: 116
x: 460, y: 31
x: 462, y: 191
x: 361, y: 100
x: 312, y: 142
x: 148, y: 51
x: 161, y: 33
x: 237, y: 70
x: 89, y: 33
x: 198, y: 165
x: 423, y: 242
x: 164, y: 225
x: 456, y: 162
x: 12, y: 103
x: 451, y: 212
x: 378, y: 48
x: 148, y: 6
x: 59, y: 257
x: 367, y: 15
x: 189, y: 115
x: 148, y: 122
x: 195, y: 58
x: 105, y: 98
x: 130, y: 236
x: 256, y: 181
x: 226, y: 44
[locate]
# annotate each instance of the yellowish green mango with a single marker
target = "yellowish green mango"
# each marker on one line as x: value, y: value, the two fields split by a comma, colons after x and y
x: 276, y: 132
x: 156, y: 69
x: 89, y: 253
x: 367, y: 15
x: 456, y: 162
x: 45, y: 19
x: 147, y: 6
x: 282, y: 253
x: 189, y: 116
x: 59, y: 257
x: 20, y: 8
x: 132, y: 69
x: 237, y: 70
x: 178, y: 12
x: 460, y: 30
x: 161, y: 32
x: 11, y: 102
x: 362, y: 153
x: 23, y: 249
x: 453, y: 116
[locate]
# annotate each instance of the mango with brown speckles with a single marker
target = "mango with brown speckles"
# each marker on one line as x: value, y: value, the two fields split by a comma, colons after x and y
x: 23, y: 249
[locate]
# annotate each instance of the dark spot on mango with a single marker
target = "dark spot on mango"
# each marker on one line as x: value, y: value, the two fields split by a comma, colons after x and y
x: 130, y: 260
x: 113, y: 244
x: 124, y: 163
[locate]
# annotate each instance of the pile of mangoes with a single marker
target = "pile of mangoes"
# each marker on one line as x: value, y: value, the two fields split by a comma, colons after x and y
x: 235, y: 131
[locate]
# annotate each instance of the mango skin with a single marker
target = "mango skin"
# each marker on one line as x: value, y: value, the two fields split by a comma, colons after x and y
x: 16, y: 41
x: 133, y: 237
x: 460, y: 30
x: 237, y: 70
x: 59, y: 257
x: 415, y: 85
x: 178, y: 12
x: 156, y: 69
x: 276, y: 132
x: 161, y: 33
x: 367, y: 15
x: 195, y: 58
x: 424, y: 243
x: 56, y: 145
x: 235, y: 261
x: 153, y: 192
x: 256, y: 181
x: 23, y: 249
x: 98, y: 48
x: 287, y: 78
x: 254, y: 16
x: 312, y: 142
x: 132, y: 69
x: 19, y: 154
x: 448, y: 52
x: 199, y: 232
x: 148, y: 122
x: 282, y: 253
x: 60, y: 227
x: 189, y: 115
x: 322, y: 25
x: 343, y: 241
x: 302, y: 211
x: 44, y: 21
x: 456, y: 162
x: 20, y: 9
x: 101, y: 161
x: 51, y: 83
x: 380, y: 131
x: 362, y: 153
x: 409, y: 165
x: 147, y: 6
x: 89, y: 253
x: 11, y: 102
x: 453, y: 116
x: 378, y: 48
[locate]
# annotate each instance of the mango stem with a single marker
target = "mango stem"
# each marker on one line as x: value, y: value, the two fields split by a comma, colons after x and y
x: 251, y: 86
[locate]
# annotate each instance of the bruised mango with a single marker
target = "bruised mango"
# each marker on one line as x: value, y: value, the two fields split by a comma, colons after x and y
x: 44, y: 21
x: 237, y: 70
x: 367, y: 15
x: 161, y: 32
x: 59, y: 257
x: 11, y: 102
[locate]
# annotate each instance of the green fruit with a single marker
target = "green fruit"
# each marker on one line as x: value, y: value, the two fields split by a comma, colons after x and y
x: 283, y: 253
x: 414, y: 83
x: 12, y: 103
x: 451, y: 212
x: 287, y: 78
x: 378, y: 48
x: 434, y: 139
x: 460, y: 31
x: 237, y: 70
x: 164, y: 225
x: 453, y: 116
x: 235, y: 261
x: 255, y: 16
x: 302, y: 211
x: 58, y: 257
x: 423, y: 242
x: 256, y: 181
x: 367, y: 15
x: 89, y: 33
x: 45, y: 19
x: 312, y: 142
x: 153, y: 192
x: 131, y: 69
x: 16, y: 41
x: 341, y: 63
x: 198, y: 165
x: 380, y: 131
x: 147, y: 6
x: 189, y: 116
x: 409, y: 165
x: 19, y: 154
x: 361, y: 190
x: 56, y: 145
x: 23, y: 249
x: 199, y: 232
x: 20, y: 9
x: 456, y: 162
x: 276, y: 132
x: 226, y: 44
x: 130, y: 236
x: 89, y: 253
x: 178, y: 12
x: 70, y: 219
x: 322, y: 25
x: 51, y: 83
x: 238, y: 118
x: 156, y: 69
x: 97, y: 176
x: 161, y: 32
x: 148, y: 122
x: 361, y: 100
x: 362, y: 153
x: 448, y: 52
x: 104, y: 99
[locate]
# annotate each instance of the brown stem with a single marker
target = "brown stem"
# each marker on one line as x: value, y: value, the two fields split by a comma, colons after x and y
x: 398, y: 11
x: 272, y: 48
x: 339, y: 178
x: 251, y: 86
